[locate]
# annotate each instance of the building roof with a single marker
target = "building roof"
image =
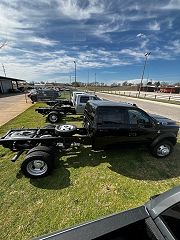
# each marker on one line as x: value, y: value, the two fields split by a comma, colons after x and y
x: 12, y: 79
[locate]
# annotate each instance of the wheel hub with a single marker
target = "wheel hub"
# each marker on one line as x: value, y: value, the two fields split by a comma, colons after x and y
x: 163, y: 150
x: 53, y: 117
x: 66, y: 127
x: 37, y: 167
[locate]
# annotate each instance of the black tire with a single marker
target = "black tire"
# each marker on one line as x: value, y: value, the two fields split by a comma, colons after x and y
x: 37, y: 164
x: 45, y: 149
x: 53, y: 117
x: 162, y: 149
x: 65, y: 130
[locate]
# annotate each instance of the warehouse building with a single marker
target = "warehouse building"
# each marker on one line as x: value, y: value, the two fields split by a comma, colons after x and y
x: 8, y: 85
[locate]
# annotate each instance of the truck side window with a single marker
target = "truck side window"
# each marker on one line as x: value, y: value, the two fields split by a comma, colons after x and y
x: 84, y: 99
x: 135, y: 117
x: 96, y: 98
x: 113, y: 116
x: 171, y: 218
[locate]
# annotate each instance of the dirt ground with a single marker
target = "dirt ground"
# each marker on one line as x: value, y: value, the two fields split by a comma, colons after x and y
x: 11, y: 106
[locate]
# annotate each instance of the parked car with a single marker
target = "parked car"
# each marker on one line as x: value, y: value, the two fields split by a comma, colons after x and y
x: 43, y: 94
x: 158, y: 219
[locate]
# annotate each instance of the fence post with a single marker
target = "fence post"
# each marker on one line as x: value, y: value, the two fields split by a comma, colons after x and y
x: 155, y: 96
x: 145, y: 95
x: 169, y: 98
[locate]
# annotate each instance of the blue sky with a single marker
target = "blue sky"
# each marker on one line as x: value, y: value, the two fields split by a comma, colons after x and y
x: 106, y: 37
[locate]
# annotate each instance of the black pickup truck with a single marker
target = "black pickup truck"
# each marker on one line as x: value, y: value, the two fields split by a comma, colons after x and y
x: 105, y: 123
x: 158, y: 219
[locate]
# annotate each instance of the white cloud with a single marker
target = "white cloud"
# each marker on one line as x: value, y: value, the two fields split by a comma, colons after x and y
x: 73, y: 10
x: 172, y: 5
x: 174, y: 46
x: 154, y: 26
x: 41, y: 41
x: 141, y: 35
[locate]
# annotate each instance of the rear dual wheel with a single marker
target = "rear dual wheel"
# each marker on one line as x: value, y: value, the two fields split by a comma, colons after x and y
x: 37, y: 164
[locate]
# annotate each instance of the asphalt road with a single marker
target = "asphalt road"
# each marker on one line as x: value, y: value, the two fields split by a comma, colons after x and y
x: 171, y: 111
x: 12, y: 106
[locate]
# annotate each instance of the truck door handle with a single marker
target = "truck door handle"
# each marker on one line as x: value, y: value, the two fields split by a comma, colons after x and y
x: 132, y: 134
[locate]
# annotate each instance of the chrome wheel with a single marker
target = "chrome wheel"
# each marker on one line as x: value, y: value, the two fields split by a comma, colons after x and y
x: 65, y: 128
x: 53, y: 118
x: 37, y: 167
x: 163, y: 150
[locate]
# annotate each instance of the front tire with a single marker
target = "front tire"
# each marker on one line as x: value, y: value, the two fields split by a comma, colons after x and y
x: 162, y: 149
x: 37, y: 164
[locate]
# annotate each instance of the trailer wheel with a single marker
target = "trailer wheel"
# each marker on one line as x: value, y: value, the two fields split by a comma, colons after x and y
x: 53, y: 117
x: 65, y: 130
x: 37, y: 164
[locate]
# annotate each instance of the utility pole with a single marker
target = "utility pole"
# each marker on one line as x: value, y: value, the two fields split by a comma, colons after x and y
x: 75, y: 71
x: 4, y: 70
x: 146, y: 57
x: 88, y: 80
x: 95, y: 81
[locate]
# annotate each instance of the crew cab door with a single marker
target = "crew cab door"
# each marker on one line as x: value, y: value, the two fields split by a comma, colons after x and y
x: 142, y: 127
x: 112, y: 126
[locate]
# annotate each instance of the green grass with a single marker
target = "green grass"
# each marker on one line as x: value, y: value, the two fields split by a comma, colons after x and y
x: 84, y: 185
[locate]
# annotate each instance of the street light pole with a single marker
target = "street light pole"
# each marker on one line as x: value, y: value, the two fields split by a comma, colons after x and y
x: 4, y: 69
x: 146, y: 57
x: 75, y: 72
x: 95, y: 81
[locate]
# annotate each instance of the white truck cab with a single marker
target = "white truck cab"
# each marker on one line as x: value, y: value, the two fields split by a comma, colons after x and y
x: 81, y: 100
x: 73, y: 96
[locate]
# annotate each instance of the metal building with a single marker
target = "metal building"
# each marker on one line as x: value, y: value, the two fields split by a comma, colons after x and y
x: 7, y: 84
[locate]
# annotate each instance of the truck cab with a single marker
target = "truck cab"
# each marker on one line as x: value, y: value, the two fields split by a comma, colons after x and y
x: 81, y: 100
x: 73, y: 96
x: 112, y: 123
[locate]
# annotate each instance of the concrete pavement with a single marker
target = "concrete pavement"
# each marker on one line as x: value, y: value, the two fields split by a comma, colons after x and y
x: 12, y: 106
x: 171, y: 111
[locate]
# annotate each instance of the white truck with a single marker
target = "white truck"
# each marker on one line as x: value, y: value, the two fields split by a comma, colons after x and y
x: 81, y: 100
